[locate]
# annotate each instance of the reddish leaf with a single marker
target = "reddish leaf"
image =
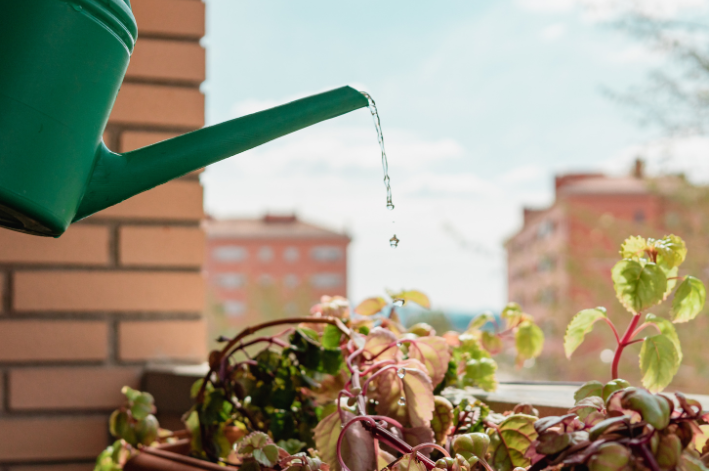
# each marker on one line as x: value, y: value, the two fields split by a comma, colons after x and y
x: 379, y: 340
x: 357, y: 445
x: 434, y: 353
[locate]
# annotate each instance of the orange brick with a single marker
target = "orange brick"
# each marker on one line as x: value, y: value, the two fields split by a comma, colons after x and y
x: 50, y: 340
x: 2, y: 292
x: 82, y: 244
x: 173, y: 201
x: 70, y: 388
x: 131, y: 140
x: 167, y: 60
x: 40, y: 439
x: 178, y: 18
x: 54, y: 467
x: 161, y: 246
x: 156, y: 105
x: 85, y: 291
x: 162, y: 340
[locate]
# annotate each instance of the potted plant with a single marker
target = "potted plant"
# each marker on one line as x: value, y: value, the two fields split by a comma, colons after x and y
x: 357, y: 391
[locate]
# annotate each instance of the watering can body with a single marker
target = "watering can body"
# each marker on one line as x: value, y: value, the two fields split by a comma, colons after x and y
x: 61, y: 66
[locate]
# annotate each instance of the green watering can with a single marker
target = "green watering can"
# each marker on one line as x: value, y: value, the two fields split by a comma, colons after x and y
x: 61, y: 66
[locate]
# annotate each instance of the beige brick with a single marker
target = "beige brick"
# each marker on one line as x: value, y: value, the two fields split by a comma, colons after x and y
x: 54, y: 467
x: 157, y: 59
x: 173, y: 201
x: 85, y: 291
x: 155, y: 105
x: 82, y: 244
x: 55, y: 438
x: 178, y: 18
x: 161, y: 246
x: 70, y: 388
x: 50, y: 340
x: 162, y: 340
x: 132, y: 140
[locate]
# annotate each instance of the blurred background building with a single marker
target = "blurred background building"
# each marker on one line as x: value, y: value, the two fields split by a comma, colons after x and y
x: 560, y: 260
x: 272, y: 267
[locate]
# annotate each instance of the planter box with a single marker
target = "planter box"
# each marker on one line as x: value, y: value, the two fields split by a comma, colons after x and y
x: 169, y: 457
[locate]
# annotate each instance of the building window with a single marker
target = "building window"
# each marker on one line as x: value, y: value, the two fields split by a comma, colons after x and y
x: 545, y: 264
x: 231, y: 280
x: 230, y: 253
x: 547, y: 296
x: 291, y: 280
x: 234, y: 308
x: 639, y: 215
x: 265, y: 280
x: 326, y: 280
x: 265, y: 254
x: 545, y: 229
x: 291, y: 254
x: 326, y: 253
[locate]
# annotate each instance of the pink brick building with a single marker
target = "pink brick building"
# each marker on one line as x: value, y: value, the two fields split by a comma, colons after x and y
x: 272, y: 267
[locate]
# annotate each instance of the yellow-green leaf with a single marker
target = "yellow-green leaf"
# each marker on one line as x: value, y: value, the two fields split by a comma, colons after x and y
x: 529, y: 340
x: 491, y: 342
x: 418, y: 393
x: 509, y: 444
x: 414, y: 296
x: 633, y: 247
x: 580, y: 325
x: 370, y: 306
x: 659, y: 362
x: 638, y: 286
x: 671, y: 251
x: 480, y: 320
x: 668, y: 329
x: 689, y: 300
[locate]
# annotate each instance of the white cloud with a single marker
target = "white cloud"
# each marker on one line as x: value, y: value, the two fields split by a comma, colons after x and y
x: 635, y: 54
x: 603, y: 10
x: 523, y: 174
x: 554, y: 32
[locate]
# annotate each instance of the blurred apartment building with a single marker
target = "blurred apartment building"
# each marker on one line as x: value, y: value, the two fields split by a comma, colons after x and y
x: 276, y: 266
x: 560, y: 260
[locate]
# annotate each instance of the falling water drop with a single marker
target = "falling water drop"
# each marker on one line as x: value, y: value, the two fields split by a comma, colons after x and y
x: 390, y: 205
x: 402, y: 401
x: 401, y: 372
x: 394, y: 241
x: 399, y: 302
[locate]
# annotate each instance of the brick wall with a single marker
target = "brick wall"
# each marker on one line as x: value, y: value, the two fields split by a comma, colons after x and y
x: 81, y: 315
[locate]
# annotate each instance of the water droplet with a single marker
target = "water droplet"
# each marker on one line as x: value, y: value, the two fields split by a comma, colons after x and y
x: 401, y: 401
x: 399, y: 302
x: 394, y: 241
x: 400, y: 344
x: 385, y: 469
x: 342, y: 425
x: 390, y: 205
x: 401, y: 372
x: 76, y: 7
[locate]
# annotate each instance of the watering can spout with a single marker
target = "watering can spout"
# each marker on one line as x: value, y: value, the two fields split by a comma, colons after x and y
x: 117, y: 177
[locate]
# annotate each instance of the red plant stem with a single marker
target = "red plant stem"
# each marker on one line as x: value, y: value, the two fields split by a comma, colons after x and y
x: 386, y: 368
x: 396, y: 443
x: 627, y: 336
x: 612, y: 326
x: 642, y: 326
x: 634, y: 341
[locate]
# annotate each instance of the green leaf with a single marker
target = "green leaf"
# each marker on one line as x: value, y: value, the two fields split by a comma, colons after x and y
x: 434, y: 353
x: 668, y: 329
x: 610, y: 457
x: 509, y: 444
x: 143, y: 405
x: 267, y: 456
x: 592, y: 388
x: 633, y: 248
x: 370, y: 306
x: 529, y: 340
x: 292, y: 445
x: 689, y: 300
x: 512, y: 310
x: 659, y: 362
x: 409, y: 463
x: 638, y: 286
x: 412, y: 295
x: 357, y: 446
x: 580, y: 325
x: 491, y: 342
x: 671, y: 251
x: 331, y: 336
x: 480, y: 320
x: 690, y: 463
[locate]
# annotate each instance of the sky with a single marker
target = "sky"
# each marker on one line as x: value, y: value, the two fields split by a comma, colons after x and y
x: 481, y: 103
